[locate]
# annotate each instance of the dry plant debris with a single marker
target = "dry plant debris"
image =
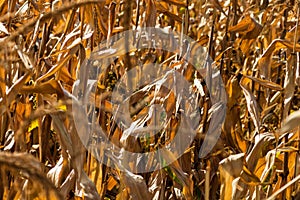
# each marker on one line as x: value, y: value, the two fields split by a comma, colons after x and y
x: 254, y: 45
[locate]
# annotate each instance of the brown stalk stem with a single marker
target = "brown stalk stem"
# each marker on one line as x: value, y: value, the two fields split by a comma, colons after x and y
x: 296, y: 30
x: 127, y: 20
x: 207, y: 180
x: 286, y: 154
x: 137, y: 14
x: 210, y: 52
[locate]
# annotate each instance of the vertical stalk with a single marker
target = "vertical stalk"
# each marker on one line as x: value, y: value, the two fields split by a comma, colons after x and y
x: 207, y: 180
x: 283, y: 115
x: 40, y: 131
x: 137, y: 14
x: 225, y: 76
x: 127, y: 22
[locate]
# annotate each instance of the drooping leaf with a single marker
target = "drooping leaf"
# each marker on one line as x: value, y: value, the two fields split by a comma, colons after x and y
x: 252, y: 104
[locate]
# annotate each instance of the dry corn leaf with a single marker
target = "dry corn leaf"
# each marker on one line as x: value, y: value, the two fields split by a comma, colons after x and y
x: 176, y: 2
x: 289, y: 84
x: 2, y: 82
x: 179, y: 173
x: 266, y: 83
x: 2, y: 27
x: 26, y: 163
x: 60, y: 65
x: 252, y: 104
x: 48, y: 87
x: 264, y: 62
x: 163, y: 10
x: 2, y: 3
x: 9, y: 140
x: 137, y: 188
x: 84, y: 186
x: 157, y: 183
x: 246, y: 25
x: 59, y: 172
x: 250, y: 30
x: 67, y: 185
x: 290, y: 123
x: 230, y: 168
x: 12, y: 92
x: 218, y: 6
x: 150, y: 18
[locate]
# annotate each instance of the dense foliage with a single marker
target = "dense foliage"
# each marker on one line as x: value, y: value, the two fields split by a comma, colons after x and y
x: 253, y: 45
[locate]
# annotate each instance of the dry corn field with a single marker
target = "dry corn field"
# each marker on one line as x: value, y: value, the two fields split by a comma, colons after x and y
x: 149, y: 99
